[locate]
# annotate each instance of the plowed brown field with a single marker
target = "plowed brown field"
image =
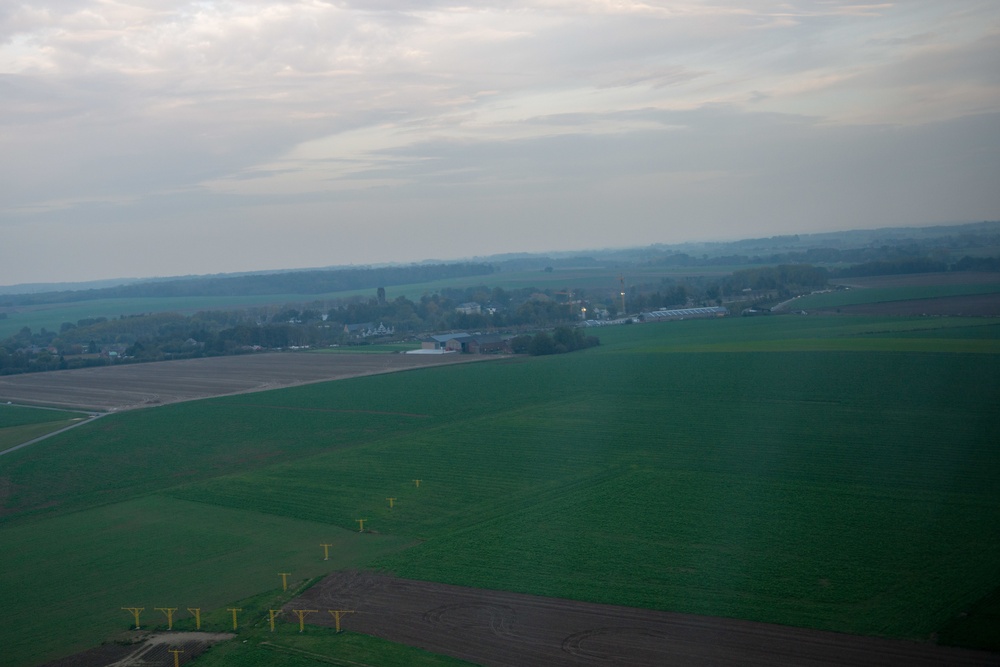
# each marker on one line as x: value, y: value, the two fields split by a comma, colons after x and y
x: 500, y: 629
x: 130, y: 386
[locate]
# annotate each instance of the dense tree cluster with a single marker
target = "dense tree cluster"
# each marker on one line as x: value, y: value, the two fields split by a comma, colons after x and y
x: 562, y: 340
x: 785, y: 278
x: 916, y: 264
x: 159, y: 336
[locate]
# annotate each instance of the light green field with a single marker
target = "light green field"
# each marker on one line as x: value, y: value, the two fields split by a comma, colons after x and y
x: 883, y: 294
x: 835, y: 473
x: 70, y: 576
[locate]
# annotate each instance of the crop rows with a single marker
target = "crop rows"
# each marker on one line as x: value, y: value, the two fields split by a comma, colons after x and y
x: 848, y: 491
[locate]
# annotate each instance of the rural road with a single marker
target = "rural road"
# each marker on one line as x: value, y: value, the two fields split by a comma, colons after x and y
x: 49, y: 435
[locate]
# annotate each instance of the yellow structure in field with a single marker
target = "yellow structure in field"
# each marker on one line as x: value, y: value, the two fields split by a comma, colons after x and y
x: 196, y: 611
x: 169, y: 612
x: 326, y: 551
x: 361, y: 525
x: 337, y: 613
x: 391, y: 501
x: 271, y: 613
x: 284, y: 580
x: 135, y: 612
x: 302, y: 616
x: 233, y: 610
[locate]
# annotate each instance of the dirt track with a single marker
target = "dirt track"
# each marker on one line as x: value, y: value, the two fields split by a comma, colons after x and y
x: 131, y: 386
x: 148, y: 649
x: 499, y: 629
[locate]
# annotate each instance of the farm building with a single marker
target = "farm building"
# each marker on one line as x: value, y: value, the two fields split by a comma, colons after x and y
x: 440, y: 341
x: 681, y: 313
x: 467, y: 343
x: 479, y: 344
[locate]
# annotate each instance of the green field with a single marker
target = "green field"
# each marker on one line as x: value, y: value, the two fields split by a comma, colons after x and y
x: 836, y: 473
x: 884, y: 294
x: 19, y: 424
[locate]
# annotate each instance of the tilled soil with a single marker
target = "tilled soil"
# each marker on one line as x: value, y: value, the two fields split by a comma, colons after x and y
x: 130, y: 386
x: 499, y: 629
x: 147, y: 650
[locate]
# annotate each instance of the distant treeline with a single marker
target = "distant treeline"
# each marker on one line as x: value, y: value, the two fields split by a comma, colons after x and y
x: 296, y: 282
x: 903, y: 265
x: 160, y: 336
x: 562, y: 340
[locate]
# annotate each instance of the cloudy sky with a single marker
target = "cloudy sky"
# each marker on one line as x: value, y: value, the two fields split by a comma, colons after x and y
x: 167, y: 137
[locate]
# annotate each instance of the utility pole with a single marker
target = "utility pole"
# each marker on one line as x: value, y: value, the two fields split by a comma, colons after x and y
x: 361, y: 525
x: 197, y: 616
x: 326, y: 551
x: 271, y: 614
x: 176, y: 652
x: 417, y: 482
x: 233, y: 610
x: 284, y: 580
x: 391, y: 501
x: 621, y: 279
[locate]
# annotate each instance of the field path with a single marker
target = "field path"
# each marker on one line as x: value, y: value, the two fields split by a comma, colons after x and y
x: 48, y: 435
x: 130, y: 386
x: 500, y: 629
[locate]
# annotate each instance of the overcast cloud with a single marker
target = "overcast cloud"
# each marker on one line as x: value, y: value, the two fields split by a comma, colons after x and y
x: 169, y: 137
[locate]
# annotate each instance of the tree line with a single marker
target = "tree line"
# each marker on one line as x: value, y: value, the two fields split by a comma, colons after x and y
x: 161, y: 336
x: 293, y: 282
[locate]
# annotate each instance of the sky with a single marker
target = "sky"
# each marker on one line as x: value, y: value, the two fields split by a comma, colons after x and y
x: 167, y: 137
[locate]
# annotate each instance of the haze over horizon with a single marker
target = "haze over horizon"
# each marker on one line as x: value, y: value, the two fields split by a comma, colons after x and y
x: 173, y: 137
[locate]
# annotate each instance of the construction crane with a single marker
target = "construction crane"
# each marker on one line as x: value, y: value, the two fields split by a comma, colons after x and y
x: 621, y: 279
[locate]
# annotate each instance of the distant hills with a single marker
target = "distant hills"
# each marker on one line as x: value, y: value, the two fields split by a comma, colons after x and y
x: 944, y: 242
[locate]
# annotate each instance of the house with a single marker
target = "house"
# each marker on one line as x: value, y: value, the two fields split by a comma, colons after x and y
x: 368, y: 330
x: 469, y: 308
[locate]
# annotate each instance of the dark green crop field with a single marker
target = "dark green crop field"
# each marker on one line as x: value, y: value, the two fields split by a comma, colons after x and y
x: 835, y: 473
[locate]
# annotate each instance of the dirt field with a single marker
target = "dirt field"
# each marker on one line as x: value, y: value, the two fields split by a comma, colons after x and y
x: 131, y: 386
x: 147, y: 649
x: 973, y: 305
x: 500, y: 629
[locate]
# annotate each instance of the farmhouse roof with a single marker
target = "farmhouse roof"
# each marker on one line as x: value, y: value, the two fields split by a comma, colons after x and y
x: 444, y: 338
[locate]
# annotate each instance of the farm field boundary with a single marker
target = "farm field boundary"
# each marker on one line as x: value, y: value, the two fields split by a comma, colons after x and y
x: 19, y: 424
x: 128, y: 386
x: 848, y: 491
x: 501, y: 629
